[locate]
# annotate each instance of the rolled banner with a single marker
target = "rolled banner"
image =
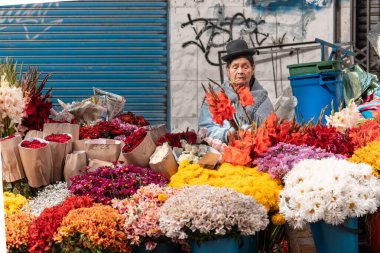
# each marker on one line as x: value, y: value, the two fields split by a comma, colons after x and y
x: 103, y: 149
x: 140, y: 155
x: 62, y: 128
x: 34, y: 134
x: 37, y: 161
x: 60, y: 146
x: 10, y: 159
x: 163, y: 161
x: 74, y: 165
x: 157, y: 131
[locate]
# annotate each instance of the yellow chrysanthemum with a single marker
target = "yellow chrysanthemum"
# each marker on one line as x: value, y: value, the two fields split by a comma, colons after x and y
x: 13, y: 202
x: 248, y: 181
x: 162, y: 197
x: 369, y: 154
x: 278, y: 219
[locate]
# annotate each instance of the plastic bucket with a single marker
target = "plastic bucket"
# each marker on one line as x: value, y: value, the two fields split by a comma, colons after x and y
x: 314, y: 92
x: 336, y: 239
x: 249, y: 244
x: 225, y: 245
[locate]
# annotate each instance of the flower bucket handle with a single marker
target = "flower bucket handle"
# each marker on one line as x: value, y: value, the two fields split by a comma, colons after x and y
x: 355, y: 231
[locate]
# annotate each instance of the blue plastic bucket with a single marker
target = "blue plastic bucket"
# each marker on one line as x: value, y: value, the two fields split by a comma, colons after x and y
x: 314, y: 92
x: 336, y: 239
x: 249, y: 244
x: 225, y: 245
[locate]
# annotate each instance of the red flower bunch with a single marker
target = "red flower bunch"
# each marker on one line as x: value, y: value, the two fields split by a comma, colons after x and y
x: 133, y: 140
x: 41, y: 230
x: 33, y: 144
x: 7, y: 138
x: 61, y: 138
x: 329, y: 139
x: 174, y: 139
x: 220, y: 106
x: 38, y: 106
x: 368, y: 131
x: 131, y: 118
x: 245, y: 96
x: 103, y: 129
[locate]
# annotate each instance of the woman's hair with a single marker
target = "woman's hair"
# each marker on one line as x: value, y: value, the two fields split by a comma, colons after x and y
x: 248, y: 57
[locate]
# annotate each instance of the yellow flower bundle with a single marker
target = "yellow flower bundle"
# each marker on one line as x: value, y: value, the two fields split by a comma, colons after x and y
x: 13, y: 203
x: 96, y: 228
x: 261, y: 186
x: 16, y: 230
x: 369, y: 154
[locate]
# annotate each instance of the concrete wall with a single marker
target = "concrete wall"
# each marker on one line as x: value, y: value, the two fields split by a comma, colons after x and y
x: 199, y: 29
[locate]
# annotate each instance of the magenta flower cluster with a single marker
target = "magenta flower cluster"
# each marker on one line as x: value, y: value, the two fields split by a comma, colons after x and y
x: 120, y: 182
x: 280, y: 159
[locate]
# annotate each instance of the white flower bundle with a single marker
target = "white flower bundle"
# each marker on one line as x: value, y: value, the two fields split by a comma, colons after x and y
x: 211, y: 211
x: 50, y: 196
x: 11, y: 105
x: 344, y: 119
x: 330, y: 189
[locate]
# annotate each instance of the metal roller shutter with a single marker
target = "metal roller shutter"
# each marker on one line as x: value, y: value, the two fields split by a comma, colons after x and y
x: 118, y: 46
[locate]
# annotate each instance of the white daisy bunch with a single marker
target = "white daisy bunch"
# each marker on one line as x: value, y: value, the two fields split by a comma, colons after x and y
x: 192, y: 153
x: 50, y: 196
x: 344, y: 119
x: 206, y: 212
x: 330, y: 189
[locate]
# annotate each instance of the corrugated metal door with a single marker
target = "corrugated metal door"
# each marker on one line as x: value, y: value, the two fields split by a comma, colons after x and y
x: 118, y: 46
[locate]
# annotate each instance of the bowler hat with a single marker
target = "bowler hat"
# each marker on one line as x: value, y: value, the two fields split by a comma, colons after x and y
x: 236, y: 49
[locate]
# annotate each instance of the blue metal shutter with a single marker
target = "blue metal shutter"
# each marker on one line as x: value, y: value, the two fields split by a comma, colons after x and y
x: 118, y: 46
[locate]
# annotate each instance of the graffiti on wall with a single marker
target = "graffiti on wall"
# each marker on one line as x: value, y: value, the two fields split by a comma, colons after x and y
x: 34, y: 19
x: 214, y: 33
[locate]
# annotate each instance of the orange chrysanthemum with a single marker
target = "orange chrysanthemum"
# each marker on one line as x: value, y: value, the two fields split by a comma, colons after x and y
x: 16, y: 230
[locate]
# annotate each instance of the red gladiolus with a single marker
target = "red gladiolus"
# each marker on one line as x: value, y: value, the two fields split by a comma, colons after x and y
x: 245, y: 96
x: 61, y: 138
x: 33, y: 144
x: 220, y: 107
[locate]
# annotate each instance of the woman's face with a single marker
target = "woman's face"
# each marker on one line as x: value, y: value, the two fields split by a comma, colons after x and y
x: 240, y: 71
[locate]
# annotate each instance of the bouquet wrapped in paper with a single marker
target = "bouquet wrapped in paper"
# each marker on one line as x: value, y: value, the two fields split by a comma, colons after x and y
x: 139, y: 147
x: 74, y: 164
x: 103, y: 149
x: 163, y: 161
x: 60, y: 145
x: 157, y: 131
x: 10, y: 158
x: 62, y: 128
x: 114, y: 103
x: 86, y: 111
x: 37, y: 160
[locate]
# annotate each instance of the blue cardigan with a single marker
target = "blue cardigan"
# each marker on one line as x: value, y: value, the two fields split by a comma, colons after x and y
x: 258, y: 112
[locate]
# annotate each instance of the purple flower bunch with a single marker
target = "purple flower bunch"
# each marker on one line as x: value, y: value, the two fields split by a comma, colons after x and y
x: 126, y: 128
x: 280, y: 159
x: 120, y: 182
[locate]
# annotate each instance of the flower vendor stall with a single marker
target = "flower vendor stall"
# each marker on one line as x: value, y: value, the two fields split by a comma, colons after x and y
x: 92, y: 179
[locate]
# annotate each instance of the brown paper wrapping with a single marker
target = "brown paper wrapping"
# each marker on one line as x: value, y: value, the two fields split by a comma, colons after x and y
x: 74, y: 165
x: 34, y: 134
x: 58, y: 153
x: 141, y: 154
x: 79, y: 145
x: 156, y: 131
x: 121, y: 156
x: 209, y: 160
x: 62, y: 128
x: 103, y: 149
x: 167, y: 166
x: 38, y: 164
x: 95, y: 163
x: 11, y: 160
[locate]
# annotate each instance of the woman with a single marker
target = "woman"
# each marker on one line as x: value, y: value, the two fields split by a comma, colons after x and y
x: 240, y: 71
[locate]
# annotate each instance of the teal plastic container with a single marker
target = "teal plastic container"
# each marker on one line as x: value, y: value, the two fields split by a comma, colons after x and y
x: 314, y: 92
x: 336, y: 239
x: 249, y: 244
x: 225, y: 245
